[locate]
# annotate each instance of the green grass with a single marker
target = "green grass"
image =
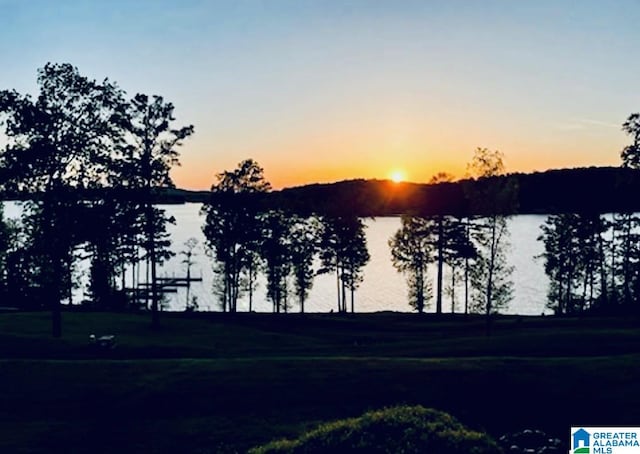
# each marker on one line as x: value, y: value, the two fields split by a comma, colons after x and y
x: 224, y: 384
x: 26, y: 335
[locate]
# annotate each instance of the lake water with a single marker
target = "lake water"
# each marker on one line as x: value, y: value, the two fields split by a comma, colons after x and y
x: 383, y: 288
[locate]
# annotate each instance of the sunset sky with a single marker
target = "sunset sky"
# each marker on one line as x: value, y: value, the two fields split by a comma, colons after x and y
x: 320, y: 91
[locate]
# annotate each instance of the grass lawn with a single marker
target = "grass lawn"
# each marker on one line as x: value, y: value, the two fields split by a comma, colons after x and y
x: 216, y: 383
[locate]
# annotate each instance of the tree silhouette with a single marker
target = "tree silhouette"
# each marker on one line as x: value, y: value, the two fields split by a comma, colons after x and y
x: 276, y: 252
x: 444, y: 240
x: 412, y: 251
x: 7, y: 246
x: 22, y: 264
x: 103, y: 240
x: 494, y: 199
x: 560, y: 258
x: 57, y: 145
x: 574, y: 260
x: 147, y: 151
x: 356, y: 256
x: 626, y: 244
x: 188, y: 253
x: 460, y: 250
x: 304, y: 246
x: 343, y: 250
x: 631, y: 153
x: 591, y: 262
x: 232, y: 227
x: 451, y: 246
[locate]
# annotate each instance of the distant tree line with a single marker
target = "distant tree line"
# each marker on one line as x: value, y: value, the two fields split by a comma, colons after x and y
x: 601, y: 189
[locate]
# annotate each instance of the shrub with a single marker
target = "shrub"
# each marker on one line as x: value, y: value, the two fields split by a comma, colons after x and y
x: 397, y: 430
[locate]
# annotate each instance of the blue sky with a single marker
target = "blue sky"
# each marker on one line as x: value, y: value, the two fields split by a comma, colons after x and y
x: 328, y: 90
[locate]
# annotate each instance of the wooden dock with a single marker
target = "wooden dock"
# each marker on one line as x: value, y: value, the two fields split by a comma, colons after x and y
x: 143, y: 292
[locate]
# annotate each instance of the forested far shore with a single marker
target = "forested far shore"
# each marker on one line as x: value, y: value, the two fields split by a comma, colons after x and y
x: 593, y: 189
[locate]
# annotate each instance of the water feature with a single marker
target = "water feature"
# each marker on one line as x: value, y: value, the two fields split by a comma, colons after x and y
x: 383, y: 287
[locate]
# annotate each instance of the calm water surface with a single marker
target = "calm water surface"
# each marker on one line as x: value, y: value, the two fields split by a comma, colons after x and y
x: 383, y: 287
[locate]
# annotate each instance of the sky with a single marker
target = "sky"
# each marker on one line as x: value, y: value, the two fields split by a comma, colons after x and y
x: 322, y: 91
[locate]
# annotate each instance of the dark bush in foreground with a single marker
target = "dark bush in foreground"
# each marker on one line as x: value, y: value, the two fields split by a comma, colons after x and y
x: 402, y: 429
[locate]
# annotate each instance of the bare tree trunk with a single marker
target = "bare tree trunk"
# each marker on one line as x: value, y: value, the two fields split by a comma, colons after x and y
x: 133, y: 283
x: 136, y: 265
x: 420, y: 289
x: 147, y: 289
x: 344, y: 294
x: 604, y: 293
x: 352, y: 303
x: 490, y: 277
x: 155, y: 317
x: 232, y: 287
x: 338, y: 286
x: 584, y: 290
x: 56, y: 305
x: 52, y: 270
x: 466, y: 273
x: 440, y: 263
x: 70, y: 287
x: 569, y: 299
x: 453, y: 289
x: 591, y: 281
x: 278, y: 296
x: 251, y: 285
x: 285, y: 300
x: 613, y: 259
x: 227, y: 289
x: 188, y: 284
x: 559, y: 295
x: 466, y: 286
x: 626, y: 262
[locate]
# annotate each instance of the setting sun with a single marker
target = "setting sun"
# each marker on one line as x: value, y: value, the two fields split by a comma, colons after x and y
x: 397, y: 176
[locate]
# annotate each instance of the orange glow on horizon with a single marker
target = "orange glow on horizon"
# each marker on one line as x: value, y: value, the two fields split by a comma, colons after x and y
x: 323, y: 165
x: 287, y: 176
x: 397, y: 176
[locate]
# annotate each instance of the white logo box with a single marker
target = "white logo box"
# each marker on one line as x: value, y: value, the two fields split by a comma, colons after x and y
x: 604, y: 440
